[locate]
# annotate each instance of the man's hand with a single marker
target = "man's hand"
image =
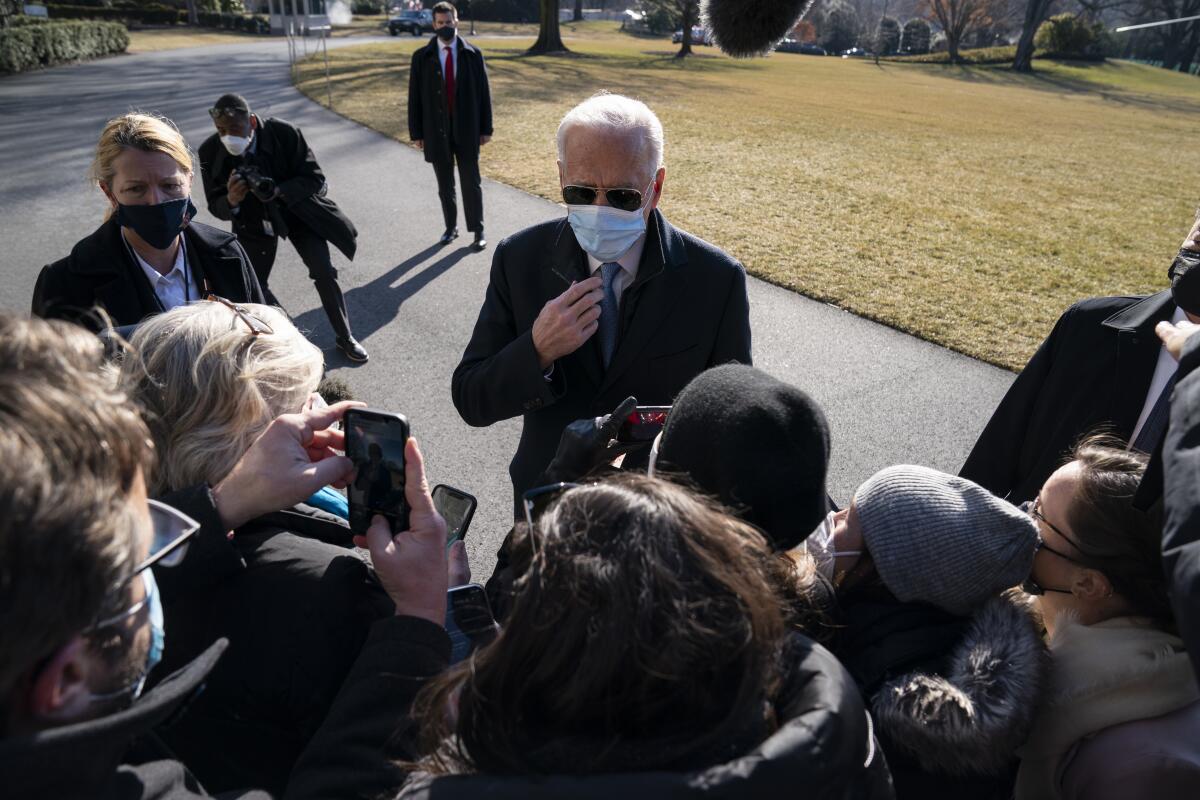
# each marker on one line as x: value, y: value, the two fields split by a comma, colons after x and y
x: 1192, y: 240
x: 1173, y: 336
x: 587, y: 443
x: 238, y: 189
x: 293, y: 458
x: 484, y: 140
x: 420, y: 143
x: 567, y: 321
x: 411, y: 564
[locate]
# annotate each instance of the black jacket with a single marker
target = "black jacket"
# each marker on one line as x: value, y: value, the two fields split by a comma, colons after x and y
x: 687, y: 311
x: 824, y: 748
x: 1092, y: 372
x: 295, y: 600
x: 952, y: 697
x: 100, y: 272
x: 1181, y: 527
x: 280, y: 152
x: 428, y: 117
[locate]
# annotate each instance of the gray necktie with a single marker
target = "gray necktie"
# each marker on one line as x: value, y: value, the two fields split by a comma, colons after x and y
x: 1156, y: 422
x: 610, y: 315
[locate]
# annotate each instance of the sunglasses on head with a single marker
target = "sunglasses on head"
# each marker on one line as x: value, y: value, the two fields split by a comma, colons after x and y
x: 624, y: 199
x: 257, y: 326
x: 228, y: 113
x: 536, y: 501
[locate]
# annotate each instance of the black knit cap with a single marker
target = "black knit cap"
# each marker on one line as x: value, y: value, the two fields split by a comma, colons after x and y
x: 757, y: 444
x: 232, y: 102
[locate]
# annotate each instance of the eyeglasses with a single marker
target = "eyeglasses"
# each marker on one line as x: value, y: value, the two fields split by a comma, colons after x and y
x: 536, y: 501
x: 257, y: 326
x: 1034, y: 509
x: 172, y: 533
x: 624, y: 199
x: 231, y: 113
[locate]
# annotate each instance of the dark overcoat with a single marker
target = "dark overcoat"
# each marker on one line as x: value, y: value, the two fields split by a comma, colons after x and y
x: 281, y: 153
x: 101, y: 272
x: 428, y: 117
x: 687, y: 311
x: 1091, y: 373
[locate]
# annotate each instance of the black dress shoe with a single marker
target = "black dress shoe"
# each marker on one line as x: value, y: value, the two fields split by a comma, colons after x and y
x: 353, y: 350
x: 449, y: 236
x: 480, y: 242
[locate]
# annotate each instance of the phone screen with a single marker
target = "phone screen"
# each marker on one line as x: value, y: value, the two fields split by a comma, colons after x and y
x: 375, y: 443
x: 643, y: 424
x: 456, y: 508
x: 469, y: 620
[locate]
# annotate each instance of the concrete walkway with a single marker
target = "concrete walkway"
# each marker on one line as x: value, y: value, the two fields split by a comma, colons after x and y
x: 890, y: 398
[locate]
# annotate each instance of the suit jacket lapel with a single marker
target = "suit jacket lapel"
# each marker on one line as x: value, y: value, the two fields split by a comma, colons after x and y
x: 566, y: 264
x: 652, y: 293
x: 1137, y: 356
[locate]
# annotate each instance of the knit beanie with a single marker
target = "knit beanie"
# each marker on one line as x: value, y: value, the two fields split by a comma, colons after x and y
x: 943, y: 540
x: 759, y: 445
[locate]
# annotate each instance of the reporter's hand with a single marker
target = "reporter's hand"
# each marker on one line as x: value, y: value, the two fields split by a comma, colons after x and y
x: 294, y: 457
x: 567, y: 321
x: 238, y: 189
x: 1192, y: 240
x: 587, y: 443
x: 411, y: 564
x: 420, y: 143
x: 1173, y: 336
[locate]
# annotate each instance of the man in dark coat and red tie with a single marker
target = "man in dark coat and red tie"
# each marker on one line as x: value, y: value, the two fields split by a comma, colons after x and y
x: 450, y: 118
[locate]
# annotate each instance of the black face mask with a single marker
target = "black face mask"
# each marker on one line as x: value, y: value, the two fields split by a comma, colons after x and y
x: 446, y: 34
x: 1185, y: 281
x: 157, y: 225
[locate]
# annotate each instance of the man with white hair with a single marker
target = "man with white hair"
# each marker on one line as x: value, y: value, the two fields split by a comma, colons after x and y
x: 608, y: 302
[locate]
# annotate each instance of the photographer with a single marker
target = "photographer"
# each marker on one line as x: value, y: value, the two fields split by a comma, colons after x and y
x: 262, y: 175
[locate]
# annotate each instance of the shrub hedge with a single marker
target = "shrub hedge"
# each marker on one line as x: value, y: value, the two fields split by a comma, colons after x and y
x: 30, y: 46
x: 154, y: 14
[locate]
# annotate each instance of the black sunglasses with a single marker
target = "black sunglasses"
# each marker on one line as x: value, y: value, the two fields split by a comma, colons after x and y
x: 624, y: 199
x: 536, y: 501
x: 231, y: 113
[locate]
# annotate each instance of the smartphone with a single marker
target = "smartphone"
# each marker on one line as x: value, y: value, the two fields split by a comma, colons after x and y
x: 643, y: 424
x: 375, y: 442
x: 456, y: 507
x: 469, y: 620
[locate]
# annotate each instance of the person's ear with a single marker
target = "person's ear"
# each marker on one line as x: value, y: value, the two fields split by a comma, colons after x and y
x: 253, y: 123
x: 1091, y: 585
x: 562, y: 181
x: 59, y: 692
x: 659, y: 177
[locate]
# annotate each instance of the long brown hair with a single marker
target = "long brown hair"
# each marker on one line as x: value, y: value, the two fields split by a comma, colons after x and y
x: 1114, y: 537
x: 644, y: 632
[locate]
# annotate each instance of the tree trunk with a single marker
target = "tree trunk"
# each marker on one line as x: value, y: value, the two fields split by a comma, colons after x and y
x: 952, y: 47
x: 1189, y: 50
x: 549, y: 39
x: 1035, y: 15
x: 193, y: 14
x: 578, y: 11
x: 685, y: 44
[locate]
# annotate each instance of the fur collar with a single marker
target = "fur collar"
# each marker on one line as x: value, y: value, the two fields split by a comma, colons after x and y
x: 970, y: 719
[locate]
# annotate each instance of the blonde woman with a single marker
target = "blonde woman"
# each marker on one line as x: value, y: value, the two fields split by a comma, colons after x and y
x: 149, y: 255
x: 289, y: 591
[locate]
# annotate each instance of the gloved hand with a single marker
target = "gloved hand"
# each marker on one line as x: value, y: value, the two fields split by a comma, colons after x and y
x: 588, y: 443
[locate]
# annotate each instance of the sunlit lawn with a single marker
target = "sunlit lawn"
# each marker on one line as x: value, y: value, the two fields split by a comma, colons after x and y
x: 967, y: 205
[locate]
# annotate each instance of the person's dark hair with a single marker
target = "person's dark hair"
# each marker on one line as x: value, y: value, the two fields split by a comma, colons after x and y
x: 445, y: 8
x: 1113, y: 536
x: 71, y: 448
x: 644, y: 634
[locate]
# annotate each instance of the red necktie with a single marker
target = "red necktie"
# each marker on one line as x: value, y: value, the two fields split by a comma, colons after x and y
x: 449, y: 73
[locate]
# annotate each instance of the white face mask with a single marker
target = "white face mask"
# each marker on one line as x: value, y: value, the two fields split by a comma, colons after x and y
x: 606, y: 233
x: 237, y: 145
x: 820, y: 546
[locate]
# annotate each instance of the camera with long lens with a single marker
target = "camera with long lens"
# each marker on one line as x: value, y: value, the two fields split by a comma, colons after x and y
x: 261, y: 186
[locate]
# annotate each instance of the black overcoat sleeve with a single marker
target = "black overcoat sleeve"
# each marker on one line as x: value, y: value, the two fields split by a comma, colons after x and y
x: 305, y: 175
x: 416, y: 126
x: 1181, y: 493
x: 995, y: 460
x: 733, y: 336
x: 485, y: 100
x: 500, y: 376
x: 355, y: 752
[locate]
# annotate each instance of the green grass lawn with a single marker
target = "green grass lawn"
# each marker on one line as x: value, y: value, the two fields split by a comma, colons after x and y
x: 967, y: 205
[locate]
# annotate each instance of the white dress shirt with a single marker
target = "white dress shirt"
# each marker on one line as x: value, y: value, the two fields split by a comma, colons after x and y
x: 629, y: 267
x: 1163, y: 370
x: 178, y: 286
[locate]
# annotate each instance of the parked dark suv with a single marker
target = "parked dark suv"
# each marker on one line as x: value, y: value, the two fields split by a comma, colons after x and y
x: 414, y: 22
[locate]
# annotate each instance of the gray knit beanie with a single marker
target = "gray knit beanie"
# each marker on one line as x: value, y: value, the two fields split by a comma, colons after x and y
x: 943, y: 540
